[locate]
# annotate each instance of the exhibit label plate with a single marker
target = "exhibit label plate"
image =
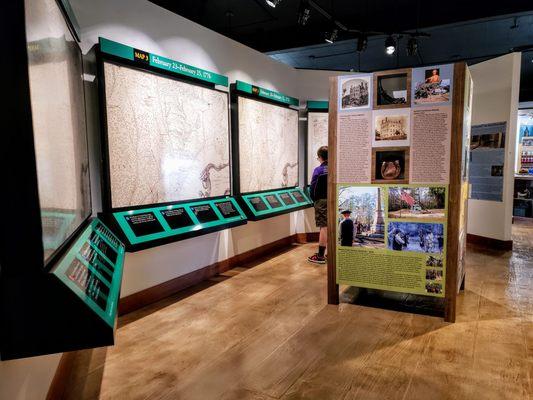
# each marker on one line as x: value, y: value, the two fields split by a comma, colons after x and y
x: 265, y: 204
x: 154, y: 60
x: 266, y: 93
x: 162, y: 222
x: 92, y: 269
x: 318, y: 105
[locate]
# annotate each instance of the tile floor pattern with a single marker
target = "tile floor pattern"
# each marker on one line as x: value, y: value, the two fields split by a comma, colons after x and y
x: 266, y: 333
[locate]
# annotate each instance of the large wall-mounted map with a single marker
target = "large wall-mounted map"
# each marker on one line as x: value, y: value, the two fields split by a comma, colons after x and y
x: 268, y: 146
x: 168, y: 140
x: 317, y: 136
x: 58, y: 117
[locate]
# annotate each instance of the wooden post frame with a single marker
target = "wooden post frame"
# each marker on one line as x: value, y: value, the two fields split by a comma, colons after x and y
x: 438, y: 106
x: 333, y: 288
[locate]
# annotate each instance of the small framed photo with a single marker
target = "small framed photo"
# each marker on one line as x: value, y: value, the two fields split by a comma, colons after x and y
x: 392, y: 89
x: 391, y: 128
x: 390, y: 165
x: 355, y: 92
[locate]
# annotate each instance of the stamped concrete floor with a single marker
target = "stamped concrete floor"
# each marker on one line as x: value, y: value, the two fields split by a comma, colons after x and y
x: 265, y: 332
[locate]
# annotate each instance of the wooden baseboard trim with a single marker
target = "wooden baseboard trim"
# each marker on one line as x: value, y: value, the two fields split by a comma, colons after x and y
x: 308, y: 237
x: 153, y: 294
x: 489, y: 243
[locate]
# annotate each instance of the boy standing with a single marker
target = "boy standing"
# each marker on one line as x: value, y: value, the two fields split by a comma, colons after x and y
x: 319, y: 195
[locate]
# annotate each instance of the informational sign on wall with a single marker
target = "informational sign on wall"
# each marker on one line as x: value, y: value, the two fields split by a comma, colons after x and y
x: 393, y: 174
x: 487, y: 156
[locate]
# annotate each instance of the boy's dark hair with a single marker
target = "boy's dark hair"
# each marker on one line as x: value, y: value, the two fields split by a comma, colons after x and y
x: 322, y: 152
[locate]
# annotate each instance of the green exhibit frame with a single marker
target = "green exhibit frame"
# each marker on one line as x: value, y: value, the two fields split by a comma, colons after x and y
x: 129, y: 53
x: 270, y: 211
x: 279, y: 97
x: 240, y: 88
x: 120, y: 54
x: 138, y: 242
x: 317, y: 105
x: 99, y: 230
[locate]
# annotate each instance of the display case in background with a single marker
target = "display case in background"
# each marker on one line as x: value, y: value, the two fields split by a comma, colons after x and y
x: 265, y: 151
x: 317, y: 134
x: 60, y: 270
x: 523, y: 180
x: 166, y: 148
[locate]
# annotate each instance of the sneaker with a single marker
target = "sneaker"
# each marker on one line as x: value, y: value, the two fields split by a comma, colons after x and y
x: 316, y: 259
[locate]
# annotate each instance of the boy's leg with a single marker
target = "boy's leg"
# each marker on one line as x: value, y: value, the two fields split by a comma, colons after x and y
x: 322, y: 241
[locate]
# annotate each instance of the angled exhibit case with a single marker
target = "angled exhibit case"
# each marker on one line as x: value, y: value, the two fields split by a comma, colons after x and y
x: 166, y: 148
x: 265, y: 152
x: 60, y: 269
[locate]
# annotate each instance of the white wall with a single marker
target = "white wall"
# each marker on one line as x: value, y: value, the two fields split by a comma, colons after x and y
x: 27, y: 379
x: 495, y: 99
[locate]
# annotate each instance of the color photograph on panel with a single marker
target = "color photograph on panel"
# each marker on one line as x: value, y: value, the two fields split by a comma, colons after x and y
x: 432, y: 85
x: 390, y: 165
x: 420, y: 237
x: 392, y: 89
x: 361, y: 221
x: 417, y: 202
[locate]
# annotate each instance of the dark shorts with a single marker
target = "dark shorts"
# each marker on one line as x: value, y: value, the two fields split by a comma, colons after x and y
x: 321, y: 213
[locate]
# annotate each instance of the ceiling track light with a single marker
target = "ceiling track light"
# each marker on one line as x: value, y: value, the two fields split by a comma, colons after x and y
x: 273, y: 3
x: 390, y: 45
x: 331, y: 36
x: 362, y: 43
x: 412, y: 46
x: 304, y: 12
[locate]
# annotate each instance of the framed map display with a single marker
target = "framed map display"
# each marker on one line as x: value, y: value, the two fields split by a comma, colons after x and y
x: 167, y: 139
x: 267, y: 145
x: 59, y: 126
x: 317, y: 136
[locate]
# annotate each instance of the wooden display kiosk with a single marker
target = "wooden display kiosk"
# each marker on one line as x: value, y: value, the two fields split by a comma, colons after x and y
x: 398, y: 182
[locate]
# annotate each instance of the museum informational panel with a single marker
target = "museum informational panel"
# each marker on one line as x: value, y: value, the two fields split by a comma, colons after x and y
x: 487, y: 149
x: 167, y: 148
x: 265, y: 139
x: 391, y: 186
x: 317, y: 133
x: 59, y: 130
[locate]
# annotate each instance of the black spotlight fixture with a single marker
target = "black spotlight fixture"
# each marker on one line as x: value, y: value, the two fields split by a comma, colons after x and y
x: 412, y: 46
x: 273, y: 3
x: 331, y: 36
x: 390, y: 45
x: 304, y: 12
x: 362, y: 42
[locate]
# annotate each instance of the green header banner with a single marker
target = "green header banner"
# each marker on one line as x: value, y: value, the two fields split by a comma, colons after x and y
x: 317, y: 105
x: 144, y: 58
x: 266, y: 93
